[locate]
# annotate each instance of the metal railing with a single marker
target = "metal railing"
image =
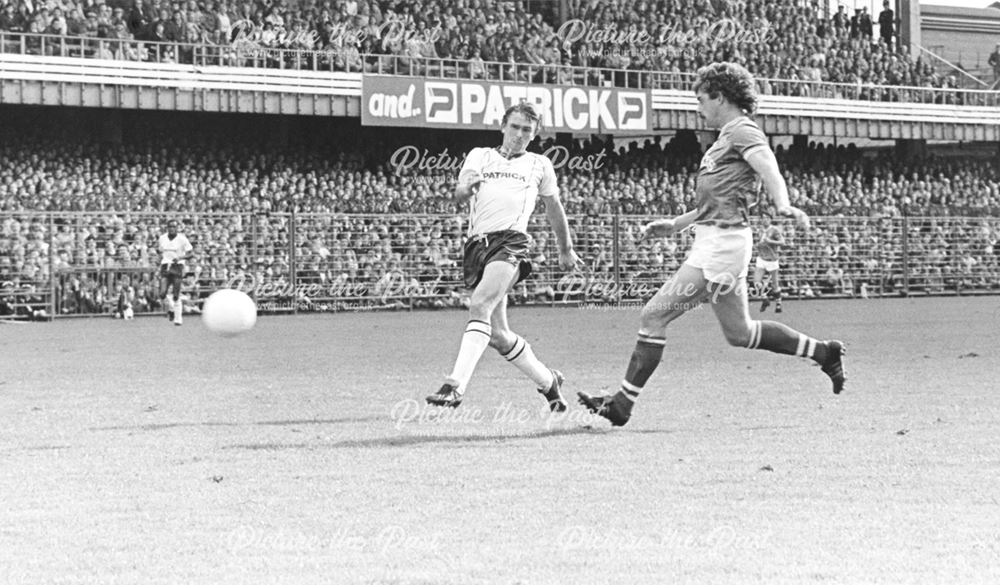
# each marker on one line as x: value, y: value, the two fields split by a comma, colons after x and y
x: 249, y: 54
x: 953, y: 68
x: 82, y: 263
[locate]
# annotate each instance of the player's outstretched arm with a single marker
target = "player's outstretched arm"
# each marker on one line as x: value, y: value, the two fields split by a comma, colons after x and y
x: 557, y: 218
x: 766, y: 166
x: 662, y: 228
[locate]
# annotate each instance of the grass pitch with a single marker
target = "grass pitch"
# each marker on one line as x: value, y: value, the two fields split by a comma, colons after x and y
x: 137, y: 452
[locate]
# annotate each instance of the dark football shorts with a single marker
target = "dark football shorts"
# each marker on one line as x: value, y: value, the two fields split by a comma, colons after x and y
x: 172, y: 270
x: 503, y: 246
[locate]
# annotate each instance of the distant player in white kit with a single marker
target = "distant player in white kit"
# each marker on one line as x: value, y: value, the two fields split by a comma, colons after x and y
x: 767, y: 265
x: 174, y: 248
x: 503, y: 185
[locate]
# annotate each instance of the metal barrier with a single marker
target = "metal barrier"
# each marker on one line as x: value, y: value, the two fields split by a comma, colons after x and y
x: 77, y: 263
x: 256, y: 55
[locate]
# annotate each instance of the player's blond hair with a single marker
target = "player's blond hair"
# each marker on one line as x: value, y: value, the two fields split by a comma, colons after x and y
x: 730, y: 80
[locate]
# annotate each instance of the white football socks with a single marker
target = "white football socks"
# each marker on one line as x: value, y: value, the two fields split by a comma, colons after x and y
x: 474, y: 342
x: 521, y: 356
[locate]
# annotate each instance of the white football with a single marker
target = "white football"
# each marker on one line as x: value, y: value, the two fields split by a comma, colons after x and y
x: 229, y: 312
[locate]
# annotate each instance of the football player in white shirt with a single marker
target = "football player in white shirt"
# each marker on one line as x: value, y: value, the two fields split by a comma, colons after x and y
x: 174, y: 248
x: 502, y: 185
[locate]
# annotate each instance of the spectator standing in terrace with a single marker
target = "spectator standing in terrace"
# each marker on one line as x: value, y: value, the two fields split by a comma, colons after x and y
x: 865, y: 24
x: 840, y: 20
x: 994, y: 62
x: 886, y: 24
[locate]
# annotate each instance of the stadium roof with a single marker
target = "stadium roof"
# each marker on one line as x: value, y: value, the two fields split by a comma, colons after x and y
x: 984, y: 20
x: 959, y: 3
x: 978, y: 8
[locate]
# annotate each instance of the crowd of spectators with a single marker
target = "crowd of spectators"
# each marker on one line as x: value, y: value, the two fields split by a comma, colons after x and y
x: 652, y: 178
x: 209, y: 182
x: 798, y: 42
x: 795, y: 41
x: 233, y: 202
x: 656, y: 177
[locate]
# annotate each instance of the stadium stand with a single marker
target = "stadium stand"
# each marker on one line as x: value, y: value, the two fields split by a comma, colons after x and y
x: 776, y: 40
x: 361, y: 224
x: 215, y: 176
x: 73, y: 211
x: 493, y: 40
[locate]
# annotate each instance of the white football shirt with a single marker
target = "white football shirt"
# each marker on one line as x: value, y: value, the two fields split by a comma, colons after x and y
x: 174, y: 249
x: 509, y: 189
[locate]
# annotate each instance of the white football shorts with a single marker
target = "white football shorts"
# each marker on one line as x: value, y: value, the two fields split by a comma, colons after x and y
x: 767, y: 265
x: 722, y: 254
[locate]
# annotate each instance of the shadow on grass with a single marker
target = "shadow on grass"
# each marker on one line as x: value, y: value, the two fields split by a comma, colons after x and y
x: 47, y: 448
x: 771, y: 428
x: 263, y: 423
x: 422, y: 439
